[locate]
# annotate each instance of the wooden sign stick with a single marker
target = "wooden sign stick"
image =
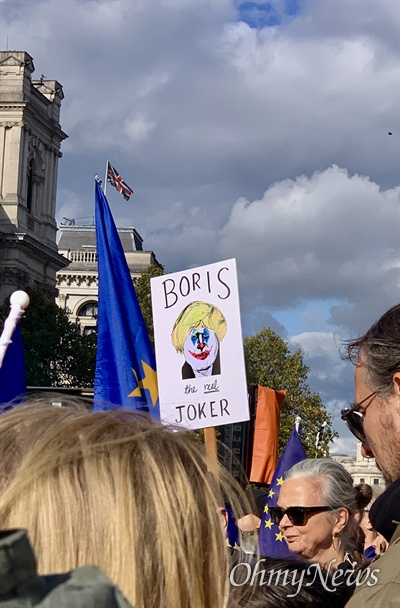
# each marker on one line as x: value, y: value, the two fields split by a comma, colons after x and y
x: 210, y: 439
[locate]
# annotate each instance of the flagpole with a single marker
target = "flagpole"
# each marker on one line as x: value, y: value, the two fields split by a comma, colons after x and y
x: 105, y: 179
x: 19, y: 300
x: 319, y: 437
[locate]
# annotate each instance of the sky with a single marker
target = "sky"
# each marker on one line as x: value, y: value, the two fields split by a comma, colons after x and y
x: 254, y: 130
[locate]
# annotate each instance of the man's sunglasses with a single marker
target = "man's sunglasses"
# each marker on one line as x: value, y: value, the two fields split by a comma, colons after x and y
x: 355, y: 419
x: 297, y: 515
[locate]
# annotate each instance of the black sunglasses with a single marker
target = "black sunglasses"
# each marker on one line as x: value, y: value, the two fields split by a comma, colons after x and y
x: 297, y: 515
x: 355, y: 419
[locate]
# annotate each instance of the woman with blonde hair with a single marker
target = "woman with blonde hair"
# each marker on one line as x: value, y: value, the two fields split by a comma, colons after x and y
x: 117, y: 490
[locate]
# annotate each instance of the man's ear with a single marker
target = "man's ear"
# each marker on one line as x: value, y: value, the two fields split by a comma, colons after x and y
x: 396, y: 383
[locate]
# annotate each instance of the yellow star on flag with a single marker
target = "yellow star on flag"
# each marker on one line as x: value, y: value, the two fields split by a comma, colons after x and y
x: 266, y: 510
x: 149, y: 381
x: 279, y: 536
x: 268, y: 523
x: 280, y: 481
x: 271, y: 493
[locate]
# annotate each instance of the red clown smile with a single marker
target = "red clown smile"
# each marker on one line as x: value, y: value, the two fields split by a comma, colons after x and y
x: 201, y: 356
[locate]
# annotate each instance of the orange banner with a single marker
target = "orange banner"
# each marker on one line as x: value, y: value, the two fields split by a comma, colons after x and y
x: 266, y: 434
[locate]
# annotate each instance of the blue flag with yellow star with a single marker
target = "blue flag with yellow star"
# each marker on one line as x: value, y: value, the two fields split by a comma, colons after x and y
x: 271, y: 541
x: 232, y: 531
x: 125, y: 364
x: 13, y: 372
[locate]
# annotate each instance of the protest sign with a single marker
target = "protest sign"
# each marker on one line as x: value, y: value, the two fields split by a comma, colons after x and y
x: 199, y: 347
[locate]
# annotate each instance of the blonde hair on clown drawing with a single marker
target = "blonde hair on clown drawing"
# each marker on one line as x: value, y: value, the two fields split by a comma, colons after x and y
x: 118, y: 490
x: 192, y: 316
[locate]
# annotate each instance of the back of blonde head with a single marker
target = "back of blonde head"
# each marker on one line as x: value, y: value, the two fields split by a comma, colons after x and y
x: 114, y: 489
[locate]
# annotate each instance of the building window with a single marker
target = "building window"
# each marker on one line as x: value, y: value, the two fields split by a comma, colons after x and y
x: 376, y: 481
x: 88, y: 310
x: 362, y: 479
x: 29, y: 190
x: 89, y: 329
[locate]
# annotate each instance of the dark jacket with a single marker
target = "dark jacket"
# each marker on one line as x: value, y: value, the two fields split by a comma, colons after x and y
x: 21, y: 587
x: 385, y: 518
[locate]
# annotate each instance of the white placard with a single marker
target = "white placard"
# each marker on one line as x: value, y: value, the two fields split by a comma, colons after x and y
x: 199, y: 348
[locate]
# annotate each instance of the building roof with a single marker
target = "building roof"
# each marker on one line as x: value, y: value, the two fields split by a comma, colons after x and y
x: 73, y: 238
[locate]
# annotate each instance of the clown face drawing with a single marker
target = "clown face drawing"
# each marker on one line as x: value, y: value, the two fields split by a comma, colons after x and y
x: 197, y: 334
x: 201, y: 348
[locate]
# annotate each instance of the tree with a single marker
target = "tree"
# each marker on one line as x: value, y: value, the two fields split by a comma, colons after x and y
x: 270, y: 363
x: 143, y: 292
x: 56, y: 354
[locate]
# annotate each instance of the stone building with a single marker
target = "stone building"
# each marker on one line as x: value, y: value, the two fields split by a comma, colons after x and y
x: 30, y: 141
x: 363, y: 470
x: 77, y: 284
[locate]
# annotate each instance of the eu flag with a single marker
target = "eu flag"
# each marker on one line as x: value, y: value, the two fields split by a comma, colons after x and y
x: 125, y: 365
x: 232, y: 531
x: 13, y: 372
x: 271, y: 541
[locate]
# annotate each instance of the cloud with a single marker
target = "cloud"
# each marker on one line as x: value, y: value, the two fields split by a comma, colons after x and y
x: 329, y: 375
x: 331, y: 235
x: 344, y: 446
x: 235, y: 107
x: 138, y: 127
x: 198, y: 109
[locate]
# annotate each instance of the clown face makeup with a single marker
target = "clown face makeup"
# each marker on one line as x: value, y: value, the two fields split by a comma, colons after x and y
x: 200, y: 350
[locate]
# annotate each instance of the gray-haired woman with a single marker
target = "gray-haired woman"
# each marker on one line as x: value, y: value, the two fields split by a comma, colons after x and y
x: 316, y: 512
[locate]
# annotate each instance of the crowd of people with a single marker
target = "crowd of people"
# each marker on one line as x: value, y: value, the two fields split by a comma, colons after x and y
x: 118, y: 510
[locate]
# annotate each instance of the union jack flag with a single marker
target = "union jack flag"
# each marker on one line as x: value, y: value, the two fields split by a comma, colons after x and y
x: 114, y: 178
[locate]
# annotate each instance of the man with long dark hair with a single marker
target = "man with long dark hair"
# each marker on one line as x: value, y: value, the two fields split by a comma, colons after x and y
x: 374, y: 418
